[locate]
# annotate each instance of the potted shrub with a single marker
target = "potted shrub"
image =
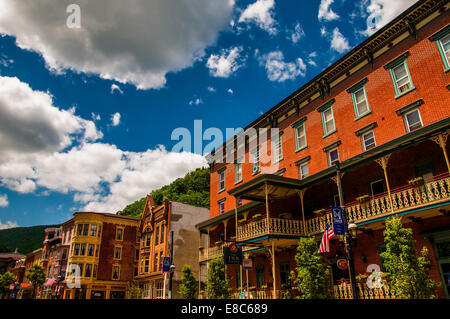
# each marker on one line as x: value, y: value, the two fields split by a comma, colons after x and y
x: 242, y: 221
x: 416, y: 182
x: 285, y: 215
x: 362, y: 278
x: 256, y: 217
x: 320, y: 212
x: 363, y: 199
x: 218, y: 243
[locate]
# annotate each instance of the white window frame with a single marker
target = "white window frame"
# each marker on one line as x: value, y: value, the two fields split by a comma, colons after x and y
x: 238, y: 171
x: 407, y: 124
x: 256, y: 167
x: 277, y: 148
x: 221, y: 180
x: 329, y: 156
x: 300, y: 171
x: 355, y: 103
x: 363, y: 141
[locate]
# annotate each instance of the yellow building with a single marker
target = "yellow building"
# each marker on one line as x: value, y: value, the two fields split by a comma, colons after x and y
x: 102, y: 257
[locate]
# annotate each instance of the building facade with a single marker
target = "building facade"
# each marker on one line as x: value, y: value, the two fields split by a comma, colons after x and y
x: 160, y: 226
x: 102, y: 256
x: 381, y: 114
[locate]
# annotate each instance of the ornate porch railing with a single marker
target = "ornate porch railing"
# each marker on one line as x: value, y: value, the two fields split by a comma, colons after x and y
x: 273, y: 226
x: 258, y: 294
x: 344, y: 291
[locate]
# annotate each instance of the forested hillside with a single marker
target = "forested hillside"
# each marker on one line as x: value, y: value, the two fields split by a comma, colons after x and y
x: 25, y: 239
x: 192, y: 189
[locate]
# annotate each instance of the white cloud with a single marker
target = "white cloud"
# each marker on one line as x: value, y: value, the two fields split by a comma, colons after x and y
x: 135, y: 42
x: 8, y: 224
x: 196, y: 101
x: 323, y: 31
x: 100, y: 176
x: 225, y: 64
x: 325, y: 12
x: 382, y: 12
x: 115, y: 119
x: 339, y: 42
x: 297, y: 34
x: 230, y: 91
x: 211, y: 89
x: 278, y: 70
x: 30, y: 123
x: 95, y: 117
x: 4, y: 201
x: 261, y: 14
x: 115, y: 87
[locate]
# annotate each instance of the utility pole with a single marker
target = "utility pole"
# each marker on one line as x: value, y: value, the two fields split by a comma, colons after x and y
x: 171, y: 265
x: 348, y: 243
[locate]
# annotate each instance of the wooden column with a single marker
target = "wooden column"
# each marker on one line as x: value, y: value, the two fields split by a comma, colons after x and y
x: 267, y: 208
x: 273, y: 271
x: 383, y: 162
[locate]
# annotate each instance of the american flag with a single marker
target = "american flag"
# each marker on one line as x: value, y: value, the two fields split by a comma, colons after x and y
x: 327, y: 235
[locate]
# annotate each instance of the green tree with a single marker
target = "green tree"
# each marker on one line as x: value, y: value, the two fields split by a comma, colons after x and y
x: 5, y: 281
x: 134, y: 292
x: 36, y: 275
x: 408, y: 270
x: 189, y: 286
x: 311, y: 274
x: 217, y: 286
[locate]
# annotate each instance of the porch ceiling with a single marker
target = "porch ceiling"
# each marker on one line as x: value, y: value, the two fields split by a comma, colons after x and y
x: 278, y: 187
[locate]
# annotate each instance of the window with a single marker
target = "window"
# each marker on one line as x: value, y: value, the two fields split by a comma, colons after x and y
x: 76, y: 250
x: 284, y: 274
x: 96, y: 250
x: 162, y: 234
x: 88, y: 271
x: 157, y: 236
x: 116, y: 272
x: 79, y: 229
x: 360, y: 103
x: 259, y: 276
x: 300, y: 136
x: 117, y: 252
x: 119, y: 234
x: 377, y: 187
x: 333, y: 156
x: 221, y: 207
x: 221, y: 180
x: 413, y: 120
x: 90, y: 250
x: 94, y: 272
x: 327, y: 119
x: 85, y: 229
x: 161, y: 258
x: 303, y: 171
x: 238, y: 171
x: 147, y: 242
x: 368, y: 141
x: 256, y: 160
x: 99, y: 231
x: 400, y: 75
x: 277, y: 148
x: 93, y: 230
x: 83, y: 250
x: 443, y: 44
x: 137, y: 255
x: 155, y: 263
x: 146, y: 265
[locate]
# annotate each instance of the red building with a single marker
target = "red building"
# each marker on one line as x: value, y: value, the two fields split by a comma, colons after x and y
x: 382, y: 112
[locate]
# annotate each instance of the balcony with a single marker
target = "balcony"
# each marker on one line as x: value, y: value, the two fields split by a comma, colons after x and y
x: 432, y: 191
x: 217, y: 251
x: 344, y: 291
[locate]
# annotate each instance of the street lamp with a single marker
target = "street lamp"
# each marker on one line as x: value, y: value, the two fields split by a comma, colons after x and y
x: 352, y: 228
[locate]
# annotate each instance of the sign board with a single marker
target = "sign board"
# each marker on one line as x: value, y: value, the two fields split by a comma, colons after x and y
x: 342, y: 264
x: 338, y: 220
x: 166, y: 264
x: 248, y: 264
x: 233, y: 255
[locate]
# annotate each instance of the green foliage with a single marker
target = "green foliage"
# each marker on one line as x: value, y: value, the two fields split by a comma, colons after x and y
x: 36, y: 275
x: 311, y: 274
x: 188, y: 287
x: 5, y: 249
x: 134, y: 292
x: 217, y: 286
x: 25, y: 239
x: 5, y: 280
x: 407, y: 269
x: 193, y: 189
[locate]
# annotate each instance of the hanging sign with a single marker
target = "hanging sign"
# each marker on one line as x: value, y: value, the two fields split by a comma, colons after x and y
x: 342, y: 264
x: 338, y: 220
x: 233, y: 255
x: 247, y: 263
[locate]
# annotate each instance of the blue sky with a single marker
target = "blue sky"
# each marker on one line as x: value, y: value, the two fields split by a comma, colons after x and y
x: 88, y: 113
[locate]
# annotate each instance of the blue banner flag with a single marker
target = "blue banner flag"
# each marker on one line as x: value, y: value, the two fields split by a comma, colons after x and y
x: 338, y: 220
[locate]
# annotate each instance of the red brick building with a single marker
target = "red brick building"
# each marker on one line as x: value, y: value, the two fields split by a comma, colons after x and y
x: 383, y: 113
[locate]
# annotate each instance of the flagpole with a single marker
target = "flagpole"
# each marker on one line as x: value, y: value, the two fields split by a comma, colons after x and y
x: 348, y: 243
